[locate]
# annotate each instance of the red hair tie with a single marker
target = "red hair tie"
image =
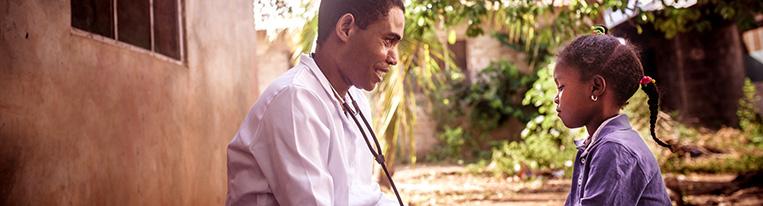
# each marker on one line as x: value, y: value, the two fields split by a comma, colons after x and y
x: 646, y: 80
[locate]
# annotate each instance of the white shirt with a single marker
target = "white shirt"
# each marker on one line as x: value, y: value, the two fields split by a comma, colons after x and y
x: 297, y: 147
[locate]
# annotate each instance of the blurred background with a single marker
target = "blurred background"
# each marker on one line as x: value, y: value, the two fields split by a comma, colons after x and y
x: 108, y: 102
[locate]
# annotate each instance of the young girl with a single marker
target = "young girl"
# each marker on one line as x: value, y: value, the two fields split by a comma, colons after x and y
x: 596, y: 75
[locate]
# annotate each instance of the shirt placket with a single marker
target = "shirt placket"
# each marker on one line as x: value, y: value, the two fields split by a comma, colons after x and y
x: 583, y: 172
x: 580, y: 180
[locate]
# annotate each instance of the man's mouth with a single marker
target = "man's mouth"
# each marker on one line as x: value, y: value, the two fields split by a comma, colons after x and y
x: 380, y: 72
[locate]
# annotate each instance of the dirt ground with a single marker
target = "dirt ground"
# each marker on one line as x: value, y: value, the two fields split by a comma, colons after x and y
x: 453, y: 185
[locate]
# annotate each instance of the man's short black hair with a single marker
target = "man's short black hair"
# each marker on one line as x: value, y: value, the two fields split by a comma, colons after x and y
x: 364, y: 11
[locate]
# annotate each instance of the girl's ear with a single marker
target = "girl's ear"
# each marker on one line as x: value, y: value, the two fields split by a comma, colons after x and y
x: 344, y: 27
x: 599, y: 85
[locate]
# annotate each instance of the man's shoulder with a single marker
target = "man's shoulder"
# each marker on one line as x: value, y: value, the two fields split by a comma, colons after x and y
x: 296, y: 79
x: 296, y: 85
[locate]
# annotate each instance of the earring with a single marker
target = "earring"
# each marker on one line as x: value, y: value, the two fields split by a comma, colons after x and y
x: 594, y: 98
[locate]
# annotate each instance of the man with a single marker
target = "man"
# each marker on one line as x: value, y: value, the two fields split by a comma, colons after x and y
x: 297, y: 146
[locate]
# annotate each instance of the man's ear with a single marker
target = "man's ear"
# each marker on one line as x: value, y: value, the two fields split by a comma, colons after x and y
x: 599, y: 85
x: 345, y: 26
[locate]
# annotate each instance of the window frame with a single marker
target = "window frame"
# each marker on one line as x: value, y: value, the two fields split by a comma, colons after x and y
x: 183, y: 60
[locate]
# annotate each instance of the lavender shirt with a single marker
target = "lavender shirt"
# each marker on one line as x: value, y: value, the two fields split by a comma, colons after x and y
x: 616, y: 169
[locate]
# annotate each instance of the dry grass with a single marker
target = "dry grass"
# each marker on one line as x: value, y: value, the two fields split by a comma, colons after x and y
x: 454, y: 185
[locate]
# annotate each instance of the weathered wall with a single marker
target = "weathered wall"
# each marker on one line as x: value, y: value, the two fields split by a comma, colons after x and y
x: 89, y: 122
x: 478, y: 52
x: 485, y: 49
x: 273, y: 57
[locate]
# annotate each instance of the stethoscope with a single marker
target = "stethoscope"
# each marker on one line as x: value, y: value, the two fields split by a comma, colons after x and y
x: 378, y: 156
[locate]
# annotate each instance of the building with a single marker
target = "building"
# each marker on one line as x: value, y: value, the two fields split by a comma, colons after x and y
x: 122, y: 103
x: 700, y: 74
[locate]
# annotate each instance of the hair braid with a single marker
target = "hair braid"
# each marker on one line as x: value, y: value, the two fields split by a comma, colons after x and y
x: 654, y: 102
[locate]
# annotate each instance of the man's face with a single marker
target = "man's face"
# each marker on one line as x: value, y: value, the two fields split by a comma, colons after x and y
x: 371, y: 51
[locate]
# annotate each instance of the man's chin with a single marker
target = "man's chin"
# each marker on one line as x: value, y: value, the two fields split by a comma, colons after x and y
x: 369, y: 87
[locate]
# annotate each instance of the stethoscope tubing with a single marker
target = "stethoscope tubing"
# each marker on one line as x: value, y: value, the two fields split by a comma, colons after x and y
x: 377, y: 155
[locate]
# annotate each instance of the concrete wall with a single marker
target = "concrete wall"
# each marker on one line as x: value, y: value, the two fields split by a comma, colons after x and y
x: 273, y: 57
x: 91, y: 122
x: 479, y: 52
x: 485, y: 49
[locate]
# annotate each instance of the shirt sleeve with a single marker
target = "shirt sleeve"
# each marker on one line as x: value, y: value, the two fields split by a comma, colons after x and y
x: 294, y: 148
x: 615, y: 177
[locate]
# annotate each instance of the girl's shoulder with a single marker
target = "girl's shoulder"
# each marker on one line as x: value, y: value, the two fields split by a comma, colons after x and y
x: 626, y: 144
x: 628, y: 139
x: 624, y: 136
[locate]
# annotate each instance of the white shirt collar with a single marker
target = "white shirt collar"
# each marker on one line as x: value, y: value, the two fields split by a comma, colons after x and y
x: 308, y: 61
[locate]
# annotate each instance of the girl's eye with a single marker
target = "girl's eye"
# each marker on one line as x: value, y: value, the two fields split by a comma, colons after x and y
x: 387, y: 42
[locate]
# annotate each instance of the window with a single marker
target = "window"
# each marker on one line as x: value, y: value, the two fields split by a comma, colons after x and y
x: 459, y: 53
x: 153, y: 25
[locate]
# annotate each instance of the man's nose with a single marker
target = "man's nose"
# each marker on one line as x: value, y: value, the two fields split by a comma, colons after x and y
x: 392, y: 57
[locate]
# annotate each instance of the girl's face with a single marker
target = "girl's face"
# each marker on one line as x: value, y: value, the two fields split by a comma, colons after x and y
x: 573, y: 97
